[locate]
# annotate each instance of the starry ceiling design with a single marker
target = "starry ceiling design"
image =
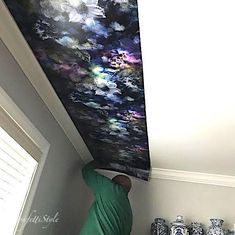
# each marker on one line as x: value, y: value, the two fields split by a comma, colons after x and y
x: 90, y: 51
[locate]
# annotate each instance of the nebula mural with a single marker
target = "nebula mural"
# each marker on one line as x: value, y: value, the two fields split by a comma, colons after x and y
x: 90, y: 52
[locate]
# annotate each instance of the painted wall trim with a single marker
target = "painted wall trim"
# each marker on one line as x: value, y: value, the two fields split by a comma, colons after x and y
x: 20, y: 50
x: 193, y: 177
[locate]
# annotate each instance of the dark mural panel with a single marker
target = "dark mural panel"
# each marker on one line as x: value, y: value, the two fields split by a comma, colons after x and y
x: 90, y: 52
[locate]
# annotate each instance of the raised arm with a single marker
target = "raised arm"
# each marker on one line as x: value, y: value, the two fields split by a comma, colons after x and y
x: 92, y: 178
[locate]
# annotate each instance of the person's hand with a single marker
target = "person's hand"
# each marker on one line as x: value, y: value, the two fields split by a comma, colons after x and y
x: 96, y: 164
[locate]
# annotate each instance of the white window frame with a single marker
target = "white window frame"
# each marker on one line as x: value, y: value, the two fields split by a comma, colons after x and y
x: 25, y: 125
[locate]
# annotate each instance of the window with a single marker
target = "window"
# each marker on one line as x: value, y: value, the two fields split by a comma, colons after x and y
x: 17, y: 169
x: 23, y: 151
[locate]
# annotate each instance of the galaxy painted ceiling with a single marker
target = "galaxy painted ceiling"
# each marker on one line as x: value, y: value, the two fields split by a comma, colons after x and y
x: 90, y: 52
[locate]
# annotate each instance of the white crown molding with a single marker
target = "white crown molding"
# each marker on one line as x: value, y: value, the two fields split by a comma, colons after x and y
x: 193, y: 177
x: 20, y: 50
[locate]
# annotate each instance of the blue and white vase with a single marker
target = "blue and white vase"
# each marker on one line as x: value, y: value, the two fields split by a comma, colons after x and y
x: 159, y: 227
x: 195, y: 228
x: 216, y: 227
x: 231, y: 232
x: 178, y: 227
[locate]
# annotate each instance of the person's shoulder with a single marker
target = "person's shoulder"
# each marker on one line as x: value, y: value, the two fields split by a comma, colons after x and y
x: 118, y: 190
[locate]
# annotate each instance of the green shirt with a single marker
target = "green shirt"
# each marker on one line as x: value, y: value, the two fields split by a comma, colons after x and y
x: 110, y: 214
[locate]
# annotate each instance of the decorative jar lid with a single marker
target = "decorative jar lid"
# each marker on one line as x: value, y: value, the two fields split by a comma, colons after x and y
x: 159, y: 220
x: 179, y: 221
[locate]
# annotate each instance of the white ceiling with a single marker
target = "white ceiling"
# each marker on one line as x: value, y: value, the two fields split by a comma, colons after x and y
x: 189, y: 73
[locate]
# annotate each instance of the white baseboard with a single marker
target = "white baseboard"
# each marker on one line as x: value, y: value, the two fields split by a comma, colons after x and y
x: 193, y: 177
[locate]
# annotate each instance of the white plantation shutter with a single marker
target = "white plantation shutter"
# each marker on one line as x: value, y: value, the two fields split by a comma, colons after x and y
x: 14, y: 130
x: 19, y: 157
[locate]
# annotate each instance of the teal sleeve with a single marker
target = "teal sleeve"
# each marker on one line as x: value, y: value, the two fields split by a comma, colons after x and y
x: 93, y: 179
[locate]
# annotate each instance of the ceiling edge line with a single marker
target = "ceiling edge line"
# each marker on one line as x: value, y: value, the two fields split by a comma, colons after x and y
x: 22, y: 53
x: 193, y: 177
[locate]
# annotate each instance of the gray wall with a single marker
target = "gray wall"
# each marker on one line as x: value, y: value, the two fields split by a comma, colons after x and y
x: 61, y: 188
x: 167, y: 199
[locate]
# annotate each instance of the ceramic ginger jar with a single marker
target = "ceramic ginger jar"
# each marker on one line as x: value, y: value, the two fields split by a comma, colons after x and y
x: 178, y: 227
